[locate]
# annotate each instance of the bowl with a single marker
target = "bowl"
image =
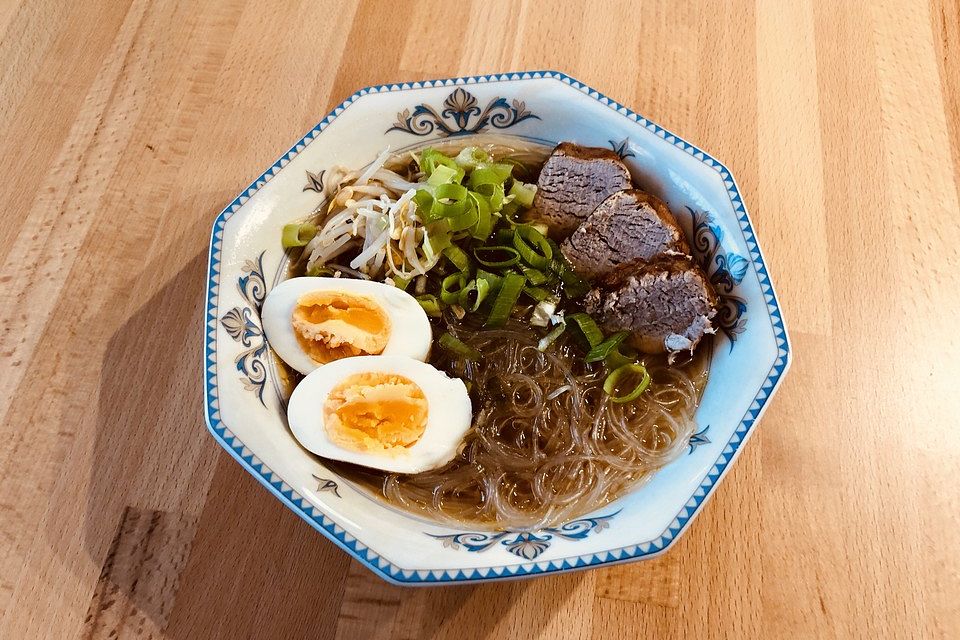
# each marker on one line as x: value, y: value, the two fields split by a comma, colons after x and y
x: 244, y: 391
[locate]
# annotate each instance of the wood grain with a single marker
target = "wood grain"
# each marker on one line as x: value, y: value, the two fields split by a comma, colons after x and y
x: 126, y: 125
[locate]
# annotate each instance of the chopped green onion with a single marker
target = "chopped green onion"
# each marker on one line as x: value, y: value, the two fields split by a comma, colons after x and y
x: 611, y: 383
x: 496, y: 256
x: 479, y: 289
x: 401, y: 283
x: 484, y: 225
x: 297, y: 234
x: 538, y: 293
x: 544, y: 229
x: 523, y: 193
x: 424, y: 201
x: 319, y: 270
x: 464, y: 220
x: 471, y: 157
x: 430, y: 159
x: 602, y: 350
x: 449, y: 294
x: 489, y: 174
x: 539, y: 257
x: 495, y: 194
x: 493, y: 280
x: 503, y: 170
x: 436, y: 239
x: 442, y: 175
x: 454, y: 345
x: 551, y: 337
x: 617, y: 357
x: 510, y: 209
x: 573, y: 285
x: 484, y: 176
x: 458, y: 257
x: 535, y: 276
x: 430, y: 304
x: 449, y: 201
x: 587, y: 327
x: 510, y: 290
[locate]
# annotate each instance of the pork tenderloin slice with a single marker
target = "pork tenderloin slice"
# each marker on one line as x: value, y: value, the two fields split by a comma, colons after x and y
x: 667, y: 305
x: 573, y: 181
x: 628, y: 226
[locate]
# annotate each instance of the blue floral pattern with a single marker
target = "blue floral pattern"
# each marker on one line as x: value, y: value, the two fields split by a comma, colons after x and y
x: 461, y: 115
x: 725, y: 270
x: 699, y: 438
x: 326, y: 484
x: 622, y: 148
x: 314, y: 181
x: 525, y: 544
x: 243, y: 325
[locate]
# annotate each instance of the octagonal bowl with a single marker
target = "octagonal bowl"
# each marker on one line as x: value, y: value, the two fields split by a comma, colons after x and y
x: 244, y: 395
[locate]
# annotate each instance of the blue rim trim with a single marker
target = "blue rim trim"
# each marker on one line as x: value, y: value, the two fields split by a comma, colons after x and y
x: 357, y: 549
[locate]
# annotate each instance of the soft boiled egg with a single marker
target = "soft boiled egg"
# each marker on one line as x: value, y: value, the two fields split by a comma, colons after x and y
x: 310, y: 322
x: 386, y: 412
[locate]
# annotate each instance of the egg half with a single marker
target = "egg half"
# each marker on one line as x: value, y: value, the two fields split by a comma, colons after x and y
x: 310, y: 322
x: 385, y: 412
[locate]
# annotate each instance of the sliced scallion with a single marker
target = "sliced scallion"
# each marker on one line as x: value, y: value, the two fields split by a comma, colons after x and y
x: 458, y: 257
x: 507, y: 297
x: 484, y: 225
x: 430, y: 159
x: 619, y: 356
x: 573, y: 285
x: 319, y: 270
x: 494, y: 195
x: 449, y: 201
x: 613, y: 381
x: 297, y: 234
x: 496, y: 257
x: 588, y: 328
x: 457, y: 346
x: 490, y: 174
x: 441, y: 175
x: 424, y: 201
x: 551, y: 337
x: 493, y: 280
x: 538, y: 293
x: 523, y: 193
x: 471, y: 157
x: 473, y: 295
x: 532, y: 246
x: 451, y: 287
x: 535, y: 276
x: 602, y: 350
x: 430, y: 305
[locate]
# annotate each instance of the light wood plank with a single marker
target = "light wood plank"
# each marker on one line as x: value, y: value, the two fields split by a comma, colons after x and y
x: 124, y: 128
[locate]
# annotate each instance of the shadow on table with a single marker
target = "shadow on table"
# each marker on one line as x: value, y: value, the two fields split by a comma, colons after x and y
x: 190, y: 545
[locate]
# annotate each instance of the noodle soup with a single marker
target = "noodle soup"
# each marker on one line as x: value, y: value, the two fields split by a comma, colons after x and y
x: 554, y: 432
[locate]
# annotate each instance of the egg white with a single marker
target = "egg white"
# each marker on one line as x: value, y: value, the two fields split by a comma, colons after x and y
x: 410, y: 333
x: 449, y: 413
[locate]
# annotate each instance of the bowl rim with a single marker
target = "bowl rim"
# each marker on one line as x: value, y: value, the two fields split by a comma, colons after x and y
x: 357, y: 549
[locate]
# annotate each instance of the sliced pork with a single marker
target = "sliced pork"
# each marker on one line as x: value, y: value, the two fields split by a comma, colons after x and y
x: 573, y: 181
x: 668, y: 304
x: 628, y: 226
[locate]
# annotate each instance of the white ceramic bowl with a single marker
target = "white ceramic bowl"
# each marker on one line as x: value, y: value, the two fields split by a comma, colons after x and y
x: 244, y: 403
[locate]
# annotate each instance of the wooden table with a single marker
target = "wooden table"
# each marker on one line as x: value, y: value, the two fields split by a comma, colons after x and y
x: 125, y: 126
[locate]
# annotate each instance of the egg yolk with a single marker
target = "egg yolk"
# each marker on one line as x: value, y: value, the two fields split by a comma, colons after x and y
x: 375, y: 412
x: 330, y: 325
